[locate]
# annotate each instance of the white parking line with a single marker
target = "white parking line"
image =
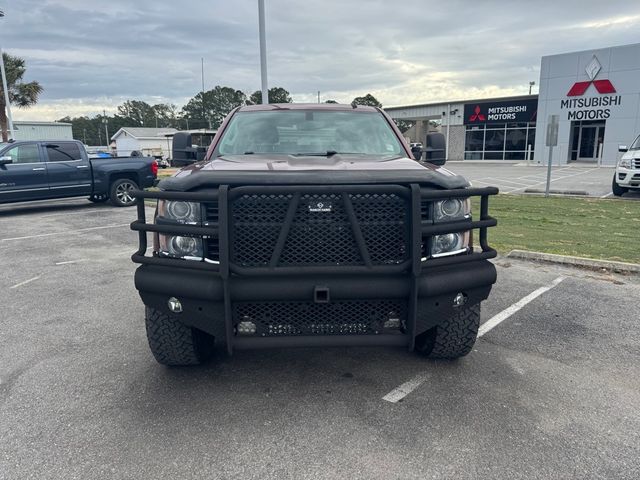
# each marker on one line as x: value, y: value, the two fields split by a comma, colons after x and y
x: 25, y: 282
x: 71, y: 232
x: 607, y: 195
x: 507, y: 312
x: 398, y: 393
x: 69, y: 262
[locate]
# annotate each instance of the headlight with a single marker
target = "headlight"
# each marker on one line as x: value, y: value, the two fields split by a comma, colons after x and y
x: 624, y: 163
x: 449, y: 244
x: 178, y: 211
x: 451, y: 209
x: 188, y: 248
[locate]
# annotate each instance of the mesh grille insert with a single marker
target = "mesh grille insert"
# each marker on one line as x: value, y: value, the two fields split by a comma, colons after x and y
x: 347, y: 317
x: 321, y: 233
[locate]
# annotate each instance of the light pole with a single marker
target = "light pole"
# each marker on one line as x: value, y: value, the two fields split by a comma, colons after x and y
x: 263, y: 53
x: 106, y: 131
x: 531, y: 84
x: 5, y: 89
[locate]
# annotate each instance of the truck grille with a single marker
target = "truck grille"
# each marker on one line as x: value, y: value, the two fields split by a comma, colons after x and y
x: 636, y: 163
x: 346, y: 317
x: 320, y: 232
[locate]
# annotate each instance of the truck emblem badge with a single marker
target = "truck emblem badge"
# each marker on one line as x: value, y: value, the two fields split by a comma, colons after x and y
x: 320, y: 207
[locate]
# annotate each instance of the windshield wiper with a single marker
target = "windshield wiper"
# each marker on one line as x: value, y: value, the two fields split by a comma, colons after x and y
x: 328, y: 153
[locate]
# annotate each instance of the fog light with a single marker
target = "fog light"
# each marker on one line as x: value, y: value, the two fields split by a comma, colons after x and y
x: 175, y: 305
x: 459, y: 300
x: 246, y: 327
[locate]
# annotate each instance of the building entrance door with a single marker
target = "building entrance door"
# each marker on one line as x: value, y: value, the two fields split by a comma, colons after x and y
x: 590, y: 139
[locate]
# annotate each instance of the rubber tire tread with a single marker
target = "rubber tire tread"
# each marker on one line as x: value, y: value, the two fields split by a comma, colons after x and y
x: 616, y: 189
x: 173, y: 343
x: 454, y: 337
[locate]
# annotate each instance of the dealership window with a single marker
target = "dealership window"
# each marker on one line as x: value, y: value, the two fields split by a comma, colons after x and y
x: 499, y: 141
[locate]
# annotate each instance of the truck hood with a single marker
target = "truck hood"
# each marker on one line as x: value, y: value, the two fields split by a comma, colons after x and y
x: 306, y: 170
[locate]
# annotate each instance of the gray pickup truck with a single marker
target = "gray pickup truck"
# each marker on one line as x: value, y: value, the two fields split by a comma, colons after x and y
x: 41, y: 170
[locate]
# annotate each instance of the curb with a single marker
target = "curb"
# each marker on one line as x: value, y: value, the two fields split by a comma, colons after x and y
x: 588, y: 263
x: 582, y: 193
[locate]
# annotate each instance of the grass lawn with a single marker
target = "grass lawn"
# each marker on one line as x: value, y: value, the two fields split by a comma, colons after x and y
x: 594, y: 228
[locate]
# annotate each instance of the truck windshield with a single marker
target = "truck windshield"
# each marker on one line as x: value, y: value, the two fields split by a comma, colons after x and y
x: 309, y: 132
x: 636, y: 144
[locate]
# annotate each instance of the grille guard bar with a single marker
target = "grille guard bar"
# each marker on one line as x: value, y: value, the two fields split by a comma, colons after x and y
x: 419, y: 228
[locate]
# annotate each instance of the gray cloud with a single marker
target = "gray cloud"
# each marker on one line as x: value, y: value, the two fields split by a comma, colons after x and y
x: 90, y: 55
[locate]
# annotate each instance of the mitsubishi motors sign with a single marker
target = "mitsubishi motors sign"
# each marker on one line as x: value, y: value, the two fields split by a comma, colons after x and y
x: 596, y: 95
x: 580, y: 107
x: 500, y: 112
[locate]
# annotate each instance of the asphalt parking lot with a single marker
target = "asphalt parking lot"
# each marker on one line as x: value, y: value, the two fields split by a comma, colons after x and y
x: 509, y: 177
x: 552, y: 391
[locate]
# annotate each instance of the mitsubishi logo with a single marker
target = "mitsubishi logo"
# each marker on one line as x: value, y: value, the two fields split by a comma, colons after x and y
x: 477, y: 116
x: 592, y: 69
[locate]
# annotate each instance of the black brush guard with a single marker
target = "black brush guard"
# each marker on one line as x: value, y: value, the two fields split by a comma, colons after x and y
x: 228, y: 288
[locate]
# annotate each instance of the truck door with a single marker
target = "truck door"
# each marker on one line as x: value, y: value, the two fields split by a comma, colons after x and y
x: 68, y: 170
x: 25, y: 177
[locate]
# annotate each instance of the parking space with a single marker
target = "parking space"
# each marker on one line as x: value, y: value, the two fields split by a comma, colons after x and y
x: 520, y: 178
x: 551, y: 391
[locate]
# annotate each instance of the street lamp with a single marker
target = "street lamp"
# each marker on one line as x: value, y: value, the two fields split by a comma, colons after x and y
x: 106, y: 131
x: 5, y: 89
x: 531, y: 84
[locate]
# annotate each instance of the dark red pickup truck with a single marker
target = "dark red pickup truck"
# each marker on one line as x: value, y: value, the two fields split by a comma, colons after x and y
x: 312, y: 225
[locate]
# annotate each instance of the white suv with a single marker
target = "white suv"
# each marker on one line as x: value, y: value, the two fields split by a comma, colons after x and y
x: 627, y: 174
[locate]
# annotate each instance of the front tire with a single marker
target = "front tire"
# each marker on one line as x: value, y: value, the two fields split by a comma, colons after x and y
x: 173, y: 343
x: 617, y: 190
x: 120, y: 192
x: 454, y: 337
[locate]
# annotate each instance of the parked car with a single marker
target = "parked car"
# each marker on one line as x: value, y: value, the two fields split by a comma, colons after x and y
x: 627, y: 175
x: 311, y: 225
x: 32, y: 170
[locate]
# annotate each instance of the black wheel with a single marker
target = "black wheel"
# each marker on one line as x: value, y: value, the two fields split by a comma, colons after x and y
x: 453, y: 338
x: 173, y: 343
x: 99, y: 198
x: 120, y: 192
x: 617, y: 189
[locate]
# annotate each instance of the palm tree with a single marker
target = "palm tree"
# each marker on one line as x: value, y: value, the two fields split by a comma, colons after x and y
x: 20, y: 93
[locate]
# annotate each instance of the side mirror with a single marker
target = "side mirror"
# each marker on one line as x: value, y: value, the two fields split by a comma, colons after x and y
x: 623, y: 148
x: 435, y: 151
x: 417, y: 152
x: 5, y: 160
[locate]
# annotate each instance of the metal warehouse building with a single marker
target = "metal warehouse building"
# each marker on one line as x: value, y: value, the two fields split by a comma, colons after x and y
x: 23, y: 130
x: 594, y: 93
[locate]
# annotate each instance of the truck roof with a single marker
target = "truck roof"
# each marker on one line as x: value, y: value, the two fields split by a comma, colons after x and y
x: 306, y: 106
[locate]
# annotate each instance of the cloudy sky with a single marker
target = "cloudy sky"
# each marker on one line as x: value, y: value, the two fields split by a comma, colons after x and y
x: 89, y: 54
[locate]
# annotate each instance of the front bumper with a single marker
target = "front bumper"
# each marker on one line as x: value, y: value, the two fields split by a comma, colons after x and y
x: 209, y: 303
x: 275, y: 304
x: 628, y: 177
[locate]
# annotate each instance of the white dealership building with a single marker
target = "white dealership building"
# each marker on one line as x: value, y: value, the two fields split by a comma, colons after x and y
x: 594, y: 93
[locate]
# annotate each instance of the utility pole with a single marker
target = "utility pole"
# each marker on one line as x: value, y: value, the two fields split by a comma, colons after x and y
x: 263, y: 53
x: 5, y: 90
x: 531, y: 84
x: 318, y: 96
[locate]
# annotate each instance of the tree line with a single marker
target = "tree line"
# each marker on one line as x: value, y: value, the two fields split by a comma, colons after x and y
x: 206, y: 110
